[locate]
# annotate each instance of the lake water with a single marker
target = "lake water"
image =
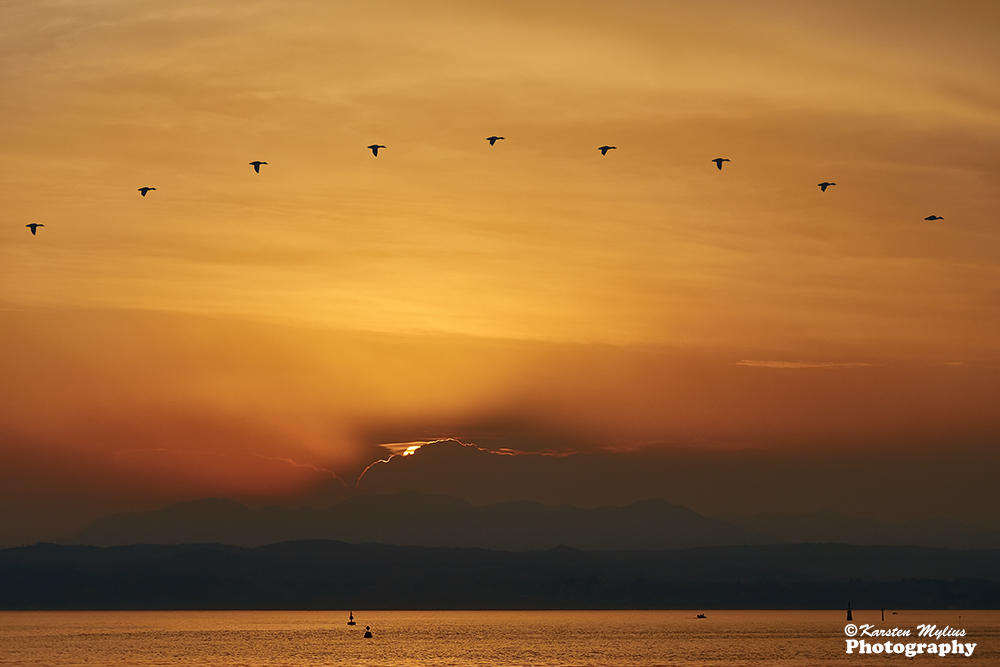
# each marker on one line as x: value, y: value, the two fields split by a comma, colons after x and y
x: 471, y: 638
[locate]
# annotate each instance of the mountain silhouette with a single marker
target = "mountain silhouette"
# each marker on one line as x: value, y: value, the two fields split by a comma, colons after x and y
x: 334, y: 575
x: 412, y: 518
x: 830, y: 526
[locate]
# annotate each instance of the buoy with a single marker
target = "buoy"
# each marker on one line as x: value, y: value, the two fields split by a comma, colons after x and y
x: 849, y: 617
x: 350, y: 621
x: 368, y: 632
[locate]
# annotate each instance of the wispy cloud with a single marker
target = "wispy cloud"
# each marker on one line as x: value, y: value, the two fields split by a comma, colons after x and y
x: 767, y: 363
x: 411, y: 448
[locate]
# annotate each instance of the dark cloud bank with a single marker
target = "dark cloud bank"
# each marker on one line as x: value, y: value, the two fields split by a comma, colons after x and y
x: 896, y: 484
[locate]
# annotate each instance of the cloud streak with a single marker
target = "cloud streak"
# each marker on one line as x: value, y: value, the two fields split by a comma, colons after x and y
x: 761, y: 363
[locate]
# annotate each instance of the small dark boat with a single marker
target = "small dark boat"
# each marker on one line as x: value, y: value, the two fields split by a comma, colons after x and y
x: 701, y: 616
x: 350, y: 621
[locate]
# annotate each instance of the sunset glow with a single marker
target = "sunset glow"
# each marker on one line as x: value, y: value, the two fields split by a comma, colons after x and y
x: 258, y: 335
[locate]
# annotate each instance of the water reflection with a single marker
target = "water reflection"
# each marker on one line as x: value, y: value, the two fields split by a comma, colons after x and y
x: 445, y: 638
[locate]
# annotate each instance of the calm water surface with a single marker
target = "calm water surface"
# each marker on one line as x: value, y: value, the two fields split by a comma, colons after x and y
x: 460, y: 638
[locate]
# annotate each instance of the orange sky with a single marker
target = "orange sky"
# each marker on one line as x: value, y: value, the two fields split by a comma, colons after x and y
x: 248, y: 334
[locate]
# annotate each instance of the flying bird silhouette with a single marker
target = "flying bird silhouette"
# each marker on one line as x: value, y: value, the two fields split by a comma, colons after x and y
x: 33, y: 227
x: 493, y: 139
x: 824, y: 185
x: 143, y: 191
x: 256, y: 165
x: 604, y: 149
x: 934, y: 217
x: 375, y: 148
x: 719, y: 160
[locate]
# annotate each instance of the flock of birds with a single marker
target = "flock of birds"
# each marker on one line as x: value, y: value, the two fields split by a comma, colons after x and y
x: 256, y: 164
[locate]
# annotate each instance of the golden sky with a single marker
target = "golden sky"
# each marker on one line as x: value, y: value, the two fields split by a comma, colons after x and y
x: 534, y: 293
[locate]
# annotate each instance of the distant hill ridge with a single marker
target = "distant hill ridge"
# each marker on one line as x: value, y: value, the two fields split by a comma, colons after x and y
x: 334, y: 575
x: 412, y: 518
x: 417, y: 519
x: 828, y: 526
